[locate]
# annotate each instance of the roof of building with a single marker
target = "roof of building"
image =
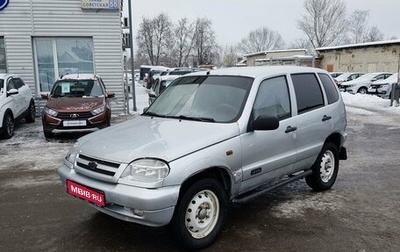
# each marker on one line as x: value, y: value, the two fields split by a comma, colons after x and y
x: 369, y: 44
x: 275, y: 51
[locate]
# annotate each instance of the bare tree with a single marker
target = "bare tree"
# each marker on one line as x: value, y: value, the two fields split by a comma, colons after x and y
x: 153, y: 36
x: 261, y: 39
x: 206, y: 48
x: 374, y: 34
x: 183, y: 42
x: 358, y: 26
x: 325, y: 22
x: 359, y: 32
x: 230, y: 57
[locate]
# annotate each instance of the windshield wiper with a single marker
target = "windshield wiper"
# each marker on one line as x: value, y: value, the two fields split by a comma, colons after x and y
x: 194, y: 118
x: 153, y: 114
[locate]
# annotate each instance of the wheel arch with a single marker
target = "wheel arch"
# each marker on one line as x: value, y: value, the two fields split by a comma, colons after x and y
x: 218, y: 173
x: 336, y: 139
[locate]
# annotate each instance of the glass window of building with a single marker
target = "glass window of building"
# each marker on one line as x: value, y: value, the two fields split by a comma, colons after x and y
x: 55, y: 57
x: 3, y: 66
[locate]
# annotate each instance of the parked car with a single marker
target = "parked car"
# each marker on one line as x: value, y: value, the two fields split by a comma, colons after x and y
x: 159, y: 85
x: 362, y: 83
x: 154, y: 73
x: 335, y: 74
x: 77, y: 102
x: 209, y: 139
x: 346, y: 77
x: 16, y: 103
x: 383, y: 87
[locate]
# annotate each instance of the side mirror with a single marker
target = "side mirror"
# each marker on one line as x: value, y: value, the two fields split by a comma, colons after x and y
x: 45, y: 96
x: 266, y: 123
x: 13, y: 91
x: 110, y: 95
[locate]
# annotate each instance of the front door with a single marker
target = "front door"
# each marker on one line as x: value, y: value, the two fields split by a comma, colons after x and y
x: 268, y: 155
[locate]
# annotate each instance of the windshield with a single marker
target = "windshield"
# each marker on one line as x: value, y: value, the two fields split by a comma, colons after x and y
x: 391, y: 79
x: 77, y: 88
x: 366, y: 77
x: 1, y: 83
x: 203, y: 98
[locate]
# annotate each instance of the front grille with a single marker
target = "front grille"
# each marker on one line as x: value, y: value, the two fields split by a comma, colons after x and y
x: 80, y: 115
x: 97, y: 165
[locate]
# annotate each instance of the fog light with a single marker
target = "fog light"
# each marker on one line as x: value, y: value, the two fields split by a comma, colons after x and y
x: 138, y: 212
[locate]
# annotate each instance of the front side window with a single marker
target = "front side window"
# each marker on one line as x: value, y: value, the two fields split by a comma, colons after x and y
x: 273, y: 99
x: 56, y: 57
x: 308, y: 92
x: 3, y: 68
x: 206, y: 98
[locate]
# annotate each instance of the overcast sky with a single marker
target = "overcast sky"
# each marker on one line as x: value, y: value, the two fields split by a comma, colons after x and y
x: 233, y: 19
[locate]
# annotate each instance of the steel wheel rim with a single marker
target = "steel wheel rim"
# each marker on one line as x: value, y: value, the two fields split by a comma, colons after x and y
x: 327, y: 166
x: 202, y: 214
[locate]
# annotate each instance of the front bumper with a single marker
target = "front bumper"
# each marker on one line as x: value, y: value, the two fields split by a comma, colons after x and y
x: 150, y: 207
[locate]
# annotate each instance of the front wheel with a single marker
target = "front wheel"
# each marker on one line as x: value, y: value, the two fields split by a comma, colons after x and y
x: 363, y: 90
x: 200, y: 214
x: 8, y: 126
x: 325, y: 169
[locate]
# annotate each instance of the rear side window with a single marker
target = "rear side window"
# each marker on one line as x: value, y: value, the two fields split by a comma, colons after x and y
x: 330, y: 89
x: 308, y: 92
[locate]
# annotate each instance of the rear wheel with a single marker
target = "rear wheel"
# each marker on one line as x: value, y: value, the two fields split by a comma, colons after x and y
x: 325, y: 169
x: 200, y: 214
x: 362, y: 90
x: 30, y: 117
x: 8, y: 126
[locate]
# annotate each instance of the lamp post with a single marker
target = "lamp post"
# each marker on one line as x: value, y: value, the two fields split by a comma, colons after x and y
x: 132, y: 61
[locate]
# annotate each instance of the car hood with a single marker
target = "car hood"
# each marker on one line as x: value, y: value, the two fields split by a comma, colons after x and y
x: 162, y: 138
x: 74, y: 104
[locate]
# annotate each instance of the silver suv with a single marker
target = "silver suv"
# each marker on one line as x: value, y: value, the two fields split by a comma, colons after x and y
x: 209, y: 139
x: 16, y: 102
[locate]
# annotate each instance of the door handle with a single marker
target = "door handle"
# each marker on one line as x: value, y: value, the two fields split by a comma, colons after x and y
x: 326, y: 118
x: 290, y: 129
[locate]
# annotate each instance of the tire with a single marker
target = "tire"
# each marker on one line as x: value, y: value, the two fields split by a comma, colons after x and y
x: 8, y: 126
x: 362, y: 90
x: 200, y: 214
x: 30, y: 116
x: 48, y: 134
x: 325, y: 169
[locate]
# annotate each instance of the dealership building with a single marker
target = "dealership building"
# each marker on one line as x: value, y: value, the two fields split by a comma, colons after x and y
x: 41, y: 40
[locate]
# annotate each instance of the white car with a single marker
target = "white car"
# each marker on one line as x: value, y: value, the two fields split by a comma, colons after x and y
x: 361, y: 84
x: 16, y: 102
x: 346, y: 77
x: 383, y: 88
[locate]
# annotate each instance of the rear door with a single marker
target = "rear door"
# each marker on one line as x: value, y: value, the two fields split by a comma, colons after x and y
x: 313, y: 120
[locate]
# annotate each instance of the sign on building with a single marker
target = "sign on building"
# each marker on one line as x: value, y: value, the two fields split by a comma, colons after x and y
x: 3, y: 4
x: 101, y: 4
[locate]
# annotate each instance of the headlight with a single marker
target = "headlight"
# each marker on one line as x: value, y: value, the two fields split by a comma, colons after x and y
x: 72, y: 153
x: 50, y: 111
x: 146, y: 170
x: 98, y: 111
